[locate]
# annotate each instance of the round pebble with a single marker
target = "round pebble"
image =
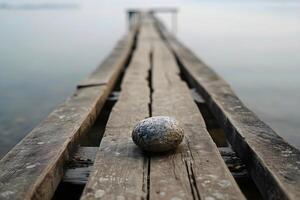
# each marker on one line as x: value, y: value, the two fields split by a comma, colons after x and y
x: 158, y: 134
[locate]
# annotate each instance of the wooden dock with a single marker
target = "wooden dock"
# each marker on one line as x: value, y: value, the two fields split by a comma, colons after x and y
x: 83, y: 149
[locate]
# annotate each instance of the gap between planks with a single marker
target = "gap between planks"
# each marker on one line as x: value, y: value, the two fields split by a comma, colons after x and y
x: 121, y: 169
x: 34, y: 167
x: 273, y: 164
x: 195, y: 170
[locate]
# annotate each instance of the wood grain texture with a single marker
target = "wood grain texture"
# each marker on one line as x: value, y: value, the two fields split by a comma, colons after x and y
x: 273, y: 163
x: 120, y: 168
x: 195, y: 170
x: 34, y: 167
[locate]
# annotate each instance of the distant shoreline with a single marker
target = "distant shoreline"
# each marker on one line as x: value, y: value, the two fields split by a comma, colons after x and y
x: 39, y: 6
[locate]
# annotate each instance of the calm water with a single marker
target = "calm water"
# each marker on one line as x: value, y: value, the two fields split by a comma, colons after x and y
x: 46, y: 50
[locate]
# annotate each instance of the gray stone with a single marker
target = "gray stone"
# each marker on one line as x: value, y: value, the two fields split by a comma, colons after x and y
x: 158, y: 134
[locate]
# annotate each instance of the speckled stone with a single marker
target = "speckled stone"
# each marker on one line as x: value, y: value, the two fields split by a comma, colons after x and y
x: 157, y: 134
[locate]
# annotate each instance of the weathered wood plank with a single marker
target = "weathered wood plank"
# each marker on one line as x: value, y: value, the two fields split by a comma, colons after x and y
x: 273, y: 163
x: 34, y: 167
x: 196, y: 170
x: 120, y: 167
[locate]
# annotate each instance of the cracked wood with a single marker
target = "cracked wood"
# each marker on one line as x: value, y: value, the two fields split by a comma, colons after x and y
x: 120, y: 168
x: 34, y: 167
x: 196, y: 169
x: 274, y: 165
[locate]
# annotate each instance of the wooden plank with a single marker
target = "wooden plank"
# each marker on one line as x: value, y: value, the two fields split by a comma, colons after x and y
x: 34, y: 167
x: 120, y: 168
x: 273, y: 163
x: 196, y: 170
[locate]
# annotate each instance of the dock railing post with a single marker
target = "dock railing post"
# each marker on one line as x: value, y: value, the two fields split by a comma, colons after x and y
x: 133, y: 16
x: 173, y: 12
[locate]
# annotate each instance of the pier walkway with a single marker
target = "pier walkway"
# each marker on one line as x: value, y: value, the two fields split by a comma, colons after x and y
x: 83, y: 149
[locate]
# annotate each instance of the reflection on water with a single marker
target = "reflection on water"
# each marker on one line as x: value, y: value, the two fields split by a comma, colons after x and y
x: 45, y: 52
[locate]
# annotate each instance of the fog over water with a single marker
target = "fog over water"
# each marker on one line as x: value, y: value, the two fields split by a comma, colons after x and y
x: 46, y: 49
